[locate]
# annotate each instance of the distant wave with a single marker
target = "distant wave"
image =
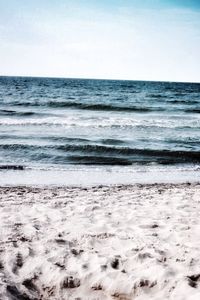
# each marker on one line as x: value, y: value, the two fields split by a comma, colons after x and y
x: 90, y: 106
x: 99, y: 106
x: 157, y: 96
x: 181, y: 101
x: 180, y: 106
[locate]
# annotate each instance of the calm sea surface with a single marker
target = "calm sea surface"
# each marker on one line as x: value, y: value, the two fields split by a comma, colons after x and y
x: 97, y: 127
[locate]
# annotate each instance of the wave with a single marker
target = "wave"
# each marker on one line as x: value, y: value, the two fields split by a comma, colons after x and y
x: 6, y: 112
x: 98, y: 160
x: 88, y: 151
x: 109, y: 107
x: 111, y: 141
x: 66, y: 122
x: 113, y: 122
x: 16, y: 147
x: 107, y: 141
x: 9, y: 137
x: 65, y: 139
x: 34, y: 122
x: 197, y: 111
x: 185, y: 102
x: 180, y: 155
x: 98, y: 106
x: 90, y: 106
x: 157, y: 96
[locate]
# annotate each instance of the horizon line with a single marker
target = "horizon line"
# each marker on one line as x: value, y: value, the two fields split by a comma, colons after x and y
x: 107, y: 79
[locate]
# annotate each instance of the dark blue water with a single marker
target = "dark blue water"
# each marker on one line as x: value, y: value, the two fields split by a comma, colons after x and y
x: 61, y: 123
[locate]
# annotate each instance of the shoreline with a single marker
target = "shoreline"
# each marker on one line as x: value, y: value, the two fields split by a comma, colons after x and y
x: 92, y: 186
x: 124, y: 242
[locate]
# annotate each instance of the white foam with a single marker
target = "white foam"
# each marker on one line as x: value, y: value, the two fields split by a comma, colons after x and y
x: 104, y: 121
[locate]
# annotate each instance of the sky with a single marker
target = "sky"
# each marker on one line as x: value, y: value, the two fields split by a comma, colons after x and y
x: 107, y: 39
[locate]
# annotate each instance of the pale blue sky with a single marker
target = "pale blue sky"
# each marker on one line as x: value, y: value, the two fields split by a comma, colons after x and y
x: 121, y: 39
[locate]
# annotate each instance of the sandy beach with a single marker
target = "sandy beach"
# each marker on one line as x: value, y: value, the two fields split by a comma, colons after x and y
x: 104, y: 242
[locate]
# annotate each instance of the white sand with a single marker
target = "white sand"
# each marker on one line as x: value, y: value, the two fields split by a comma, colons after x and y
x: 118, y: 242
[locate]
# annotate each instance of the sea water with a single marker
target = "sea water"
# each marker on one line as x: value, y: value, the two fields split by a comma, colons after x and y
x: 81, y: 131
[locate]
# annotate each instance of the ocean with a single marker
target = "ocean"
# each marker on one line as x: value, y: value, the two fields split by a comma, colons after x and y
x: 74, y: 131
